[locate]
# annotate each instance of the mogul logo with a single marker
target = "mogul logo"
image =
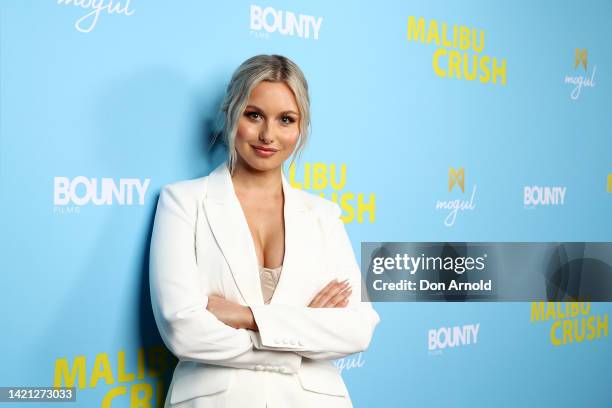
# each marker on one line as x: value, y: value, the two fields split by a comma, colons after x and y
x: 457, y: 336
x: 141, y: 386
x: 348, y: 363
x: 537, y: 195
x: 571, y: 321
x: 456, y: 178
x: 81, y: 191
x: 452, y: 58
x: 88, y: 22
x: 320, y: 176
x: 610, y: 183
x: 581, y: 81
x: 284, y: 22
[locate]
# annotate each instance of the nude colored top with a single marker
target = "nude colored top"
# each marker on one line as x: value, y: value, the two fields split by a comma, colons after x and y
x: 269, y: 279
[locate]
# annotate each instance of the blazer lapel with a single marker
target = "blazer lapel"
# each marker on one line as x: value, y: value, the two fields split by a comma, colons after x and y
x: 298, y: 223
x: 231, y: 231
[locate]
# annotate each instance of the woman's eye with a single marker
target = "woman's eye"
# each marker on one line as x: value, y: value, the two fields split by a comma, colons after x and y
x: 287, y: 120
x: 254, y: 115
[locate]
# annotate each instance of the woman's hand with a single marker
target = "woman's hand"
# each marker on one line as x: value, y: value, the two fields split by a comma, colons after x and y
x: 334, y: 294
x: 230, y: 313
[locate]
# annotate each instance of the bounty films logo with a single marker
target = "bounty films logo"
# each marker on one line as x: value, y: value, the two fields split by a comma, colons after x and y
x: 321, y: 177
x: 81, y: 191
x: 610, y: 183
x: 456, y: 178
x: 571, y: 321
x: 459, y: 53
x: 450, y: 337
x: 580, y: 81
x: 88, y: 22
x: 288, y: 23
x: 547, y: 196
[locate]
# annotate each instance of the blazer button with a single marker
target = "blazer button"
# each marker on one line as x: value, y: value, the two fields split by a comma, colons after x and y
x: 285, y: 341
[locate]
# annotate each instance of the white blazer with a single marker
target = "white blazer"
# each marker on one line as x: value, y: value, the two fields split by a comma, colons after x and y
x: 201, y: 245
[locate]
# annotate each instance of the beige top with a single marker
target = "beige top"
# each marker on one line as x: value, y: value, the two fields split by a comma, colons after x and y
x: 269, y: 279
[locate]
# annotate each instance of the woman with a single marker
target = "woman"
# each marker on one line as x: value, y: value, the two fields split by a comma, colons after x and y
x: 254, y: 283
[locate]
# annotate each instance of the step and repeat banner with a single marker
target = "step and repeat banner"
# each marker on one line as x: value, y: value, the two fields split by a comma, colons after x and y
x: 433, y: 122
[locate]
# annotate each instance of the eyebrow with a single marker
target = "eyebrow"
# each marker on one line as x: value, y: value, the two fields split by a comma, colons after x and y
x: 282, y: 113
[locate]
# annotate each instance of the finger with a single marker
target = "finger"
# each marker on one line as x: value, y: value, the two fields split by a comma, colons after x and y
x: 343, y: 303
x: 319, y: 298
x: 329, y: 299
x: 339, y: 297
x: 331, y: 292
x: 316, y: 299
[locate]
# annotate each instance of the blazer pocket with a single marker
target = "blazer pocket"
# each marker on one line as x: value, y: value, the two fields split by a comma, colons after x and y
x: 191, y: 379
x: 321, y: 376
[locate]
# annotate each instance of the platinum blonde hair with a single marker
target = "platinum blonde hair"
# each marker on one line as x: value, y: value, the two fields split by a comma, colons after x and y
x: 273, y: 68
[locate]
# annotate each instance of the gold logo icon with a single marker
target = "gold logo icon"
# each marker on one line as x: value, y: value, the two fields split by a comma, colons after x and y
x: 610, y: 183
x: 581, y: 58
x: 456, y: 177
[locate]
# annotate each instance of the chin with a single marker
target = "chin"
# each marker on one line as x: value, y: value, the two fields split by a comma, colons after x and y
x: 262, y: 164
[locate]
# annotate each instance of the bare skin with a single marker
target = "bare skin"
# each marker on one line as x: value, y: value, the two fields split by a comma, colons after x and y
x: 270, y: 120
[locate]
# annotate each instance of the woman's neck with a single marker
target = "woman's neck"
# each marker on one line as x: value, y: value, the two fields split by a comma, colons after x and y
x: 249, y: 180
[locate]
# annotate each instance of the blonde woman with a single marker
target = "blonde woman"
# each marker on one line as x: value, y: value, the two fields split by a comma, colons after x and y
x: 254, y: 284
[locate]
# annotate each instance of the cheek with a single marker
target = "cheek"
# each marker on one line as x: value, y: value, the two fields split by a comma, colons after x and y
x: 246, y: 131
x: 291, y: 138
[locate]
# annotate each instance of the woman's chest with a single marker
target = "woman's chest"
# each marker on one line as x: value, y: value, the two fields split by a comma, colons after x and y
x: 267, y: 230
x: 228, y: 261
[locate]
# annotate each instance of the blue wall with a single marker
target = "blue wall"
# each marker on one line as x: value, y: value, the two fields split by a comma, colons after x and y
x: 131, y: 96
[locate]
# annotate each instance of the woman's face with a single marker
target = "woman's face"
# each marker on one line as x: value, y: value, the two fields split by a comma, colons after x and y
x: 268, y: 128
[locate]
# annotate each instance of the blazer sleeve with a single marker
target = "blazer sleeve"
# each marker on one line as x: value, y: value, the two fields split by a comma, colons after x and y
x: 189, y: 330
x: 321, y: 333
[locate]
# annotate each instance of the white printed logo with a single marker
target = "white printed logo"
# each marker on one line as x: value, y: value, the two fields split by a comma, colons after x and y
x: 536, y: 195
x: 105, y: 191
x: 350, y: 362
x: 285, y: 22
x: 439, y: 339
x: 580, y: 81
x: 88, y: 22
x: 456, y: 178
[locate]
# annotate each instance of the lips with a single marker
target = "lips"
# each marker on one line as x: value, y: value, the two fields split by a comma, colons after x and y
x: 264, y: 152
x: 265, y: 149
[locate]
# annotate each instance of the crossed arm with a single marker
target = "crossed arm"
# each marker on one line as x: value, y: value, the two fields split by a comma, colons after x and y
x: 214, y: 330
x: 334, y: 294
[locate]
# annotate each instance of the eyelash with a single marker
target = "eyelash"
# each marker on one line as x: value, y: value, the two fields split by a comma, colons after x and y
x: 250, y: 114
x: 289, y: 118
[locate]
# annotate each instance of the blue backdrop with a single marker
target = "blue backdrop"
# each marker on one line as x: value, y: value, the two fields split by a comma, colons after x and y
x: 115, y: 99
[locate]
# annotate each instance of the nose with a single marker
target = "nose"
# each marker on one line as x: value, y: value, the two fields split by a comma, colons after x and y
x: 265, y: 134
